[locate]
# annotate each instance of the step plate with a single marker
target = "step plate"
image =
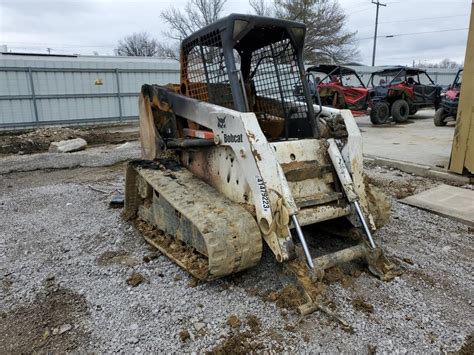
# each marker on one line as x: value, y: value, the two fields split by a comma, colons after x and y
x: 318, y: 199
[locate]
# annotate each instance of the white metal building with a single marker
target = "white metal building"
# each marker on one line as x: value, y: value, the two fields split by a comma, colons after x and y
x: 37, y: 90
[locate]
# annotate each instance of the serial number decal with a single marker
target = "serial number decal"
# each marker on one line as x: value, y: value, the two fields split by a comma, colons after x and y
x: 263, y: 193
x: 233, y: 138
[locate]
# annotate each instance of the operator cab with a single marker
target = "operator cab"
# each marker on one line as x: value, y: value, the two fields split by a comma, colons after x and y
x: 252, y: 64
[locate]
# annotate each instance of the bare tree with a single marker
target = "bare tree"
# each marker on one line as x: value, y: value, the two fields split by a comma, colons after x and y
x: 327, y: 41
x: 444, y: 64
x: 166, y: 50
x: 449, y: 64
x: 182, y: 23
x: 261, y: 7
x: 196, y: 14
x: 138, y: 45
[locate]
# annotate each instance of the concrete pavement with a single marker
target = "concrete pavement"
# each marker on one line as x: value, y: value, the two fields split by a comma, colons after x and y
x: 449, y: 201
x: 417, y: 146
x: 417, y: 141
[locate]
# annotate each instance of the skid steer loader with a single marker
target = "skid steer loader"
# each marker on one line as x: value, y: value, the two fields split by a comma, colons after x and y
x: 232, y: 157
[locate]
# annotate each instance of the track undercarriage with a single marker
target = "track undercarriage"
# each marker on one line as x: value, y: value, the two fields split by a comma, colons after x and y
x: 167, y: 196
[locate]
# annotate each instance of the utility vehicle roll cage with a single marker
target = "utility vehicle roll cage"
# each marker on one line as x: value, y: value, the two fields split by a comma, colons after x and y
x: 331, y: 70
x: 458, y: 79
x: 395, y: 73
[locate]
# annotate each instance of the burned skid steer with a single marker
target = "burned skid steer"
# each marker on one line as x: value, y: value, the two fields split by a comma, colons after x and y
x: 231, y: 156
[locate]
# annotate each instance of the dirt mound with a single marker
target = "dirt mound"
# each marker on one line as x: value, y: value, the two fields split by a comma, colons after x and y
x: 289, y: 297
x: 395, y: 186
x: 468, y: 346
x: 184, y: 335
x: 238, y: 343
x: 254, y: 323
x: 233, y: 321
x: 379, y: 204
x: 135, y: 279
x: 50, y: 324
x: 117, y: 257
x: 336, y: 274
x: 359, y: 304
x: 39, y: 140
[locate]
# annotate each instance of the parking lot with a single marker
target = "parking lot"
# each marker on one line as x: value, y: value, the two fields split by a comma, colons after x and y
x: 417, y: 141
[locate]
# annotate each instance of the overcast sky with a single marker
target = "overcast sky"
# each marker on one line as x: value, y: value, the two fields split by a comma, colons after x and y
x: 85, y: 26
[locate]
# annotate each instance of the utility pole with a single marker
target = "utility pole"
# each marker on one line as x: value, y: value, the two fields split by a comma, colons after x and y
x: 378, y: 3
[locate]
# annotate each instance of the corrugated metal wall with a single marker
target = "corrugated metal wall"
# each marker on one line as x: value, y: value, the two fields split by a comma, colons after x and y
x: 38, y: 91
x: 47, y: 90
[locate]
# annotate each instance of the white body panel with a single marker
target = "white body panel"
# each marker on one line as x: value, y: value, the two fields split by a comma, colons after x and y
x: 246, y: 168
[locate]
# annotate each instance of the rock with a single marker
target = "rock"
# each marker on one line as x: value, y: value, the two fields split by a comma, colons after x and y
x: 184, y: 335
x: 198, y: 326
x: 124, y: 146
x: 135, y: 279
x: 64, y: 328
x: 67, y: 146
x: 132, y: 340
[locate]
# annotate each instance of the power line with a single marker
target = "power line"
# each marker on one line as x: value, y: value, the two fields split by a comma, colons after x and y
x: 424, y: 18
x: 363, y: 10
x: 358, y: 6
x: 415, y: 33
x: 60, y: 45
x: 419, y: 33
x: 419, y: 19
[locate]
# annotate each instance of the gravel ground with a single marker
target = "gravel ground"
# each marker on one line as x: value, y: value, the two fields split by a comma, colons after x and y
x: 68, y: 262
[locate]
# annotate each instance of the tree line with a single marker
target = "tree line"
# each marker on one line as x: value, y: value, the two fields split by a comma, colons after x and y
x: 444, y: 64
x: 327, y: 39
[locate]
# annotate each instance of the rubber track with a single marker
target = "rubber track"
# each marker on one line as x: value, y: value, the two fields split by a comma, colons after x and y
x: 231, y: 235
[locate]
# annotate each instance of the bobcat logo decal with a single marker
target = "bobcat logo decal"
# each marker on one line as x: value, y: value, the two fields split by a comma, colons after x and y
x: 221, y: 122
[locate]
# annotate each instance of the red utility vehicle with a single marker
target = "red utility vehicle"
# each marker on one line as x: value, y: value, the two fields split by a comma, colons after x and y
x: 339, y: 87
x: 398, y: 92
x: 449, y: 102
